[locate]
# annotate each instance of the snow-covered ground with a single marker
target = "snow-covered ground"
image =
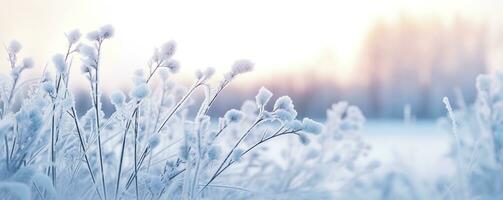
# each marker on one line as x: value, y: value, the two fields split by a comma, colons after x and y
x: 421, y: 147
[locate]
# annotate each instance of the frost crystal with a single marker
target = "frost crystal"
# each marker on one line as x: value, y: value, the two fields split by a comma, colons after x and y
x: 284, y: 102
x: 263, y: 96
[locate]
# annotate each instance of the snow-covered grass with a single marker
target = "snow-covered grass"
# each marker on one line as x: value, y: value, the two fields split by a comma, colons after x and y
x: 466, y: 164
x: 151, y: 148
x: 421, y: 146
x: 159, y: 142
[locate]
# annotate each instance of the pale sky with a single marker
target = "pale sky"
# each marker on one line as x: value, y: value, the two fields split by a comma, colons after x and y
x: 279, y: 36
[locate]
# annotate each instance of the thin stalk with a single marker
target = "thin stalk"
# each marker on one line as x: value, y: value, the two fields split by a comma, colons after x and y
x: 7, y: 160
x: 121, y: 160
x: 53, y: 150
x: 96, y: 108
x: 11, y: 93
x: 222, y: 86
x: 232, y: 150
x: 277, y: 134
x: 179, y: 104
x: 14, y: 142
x: 136, y: 129
x: 139, y: 165
x: 198, y: 162
x: 81, y: 140
x: 12, y: 61
x: 169, y: 179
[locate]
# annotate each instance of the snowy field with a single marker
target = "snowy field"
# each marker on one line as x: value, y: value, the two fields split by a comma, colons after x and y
x: 421, y: 146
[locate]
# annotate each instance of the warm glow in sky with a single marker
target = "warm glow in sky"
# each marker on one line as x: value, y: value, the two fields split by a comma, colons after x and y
x: 279, y: 36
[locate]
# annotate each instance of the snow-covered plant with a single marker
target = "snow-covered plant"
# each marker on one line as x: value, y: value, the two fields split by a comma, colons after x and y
x: 476, y: 153
x: 477, y: 146
x: 152, y: 147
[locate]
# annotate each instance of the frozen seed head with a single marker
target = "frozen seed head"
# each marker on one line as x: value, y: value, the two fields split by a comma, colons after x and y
x: 140, y: 91
x: 199, y: 74
x: 284, y: 102
x: 139, y: 76
x: 173, y: 66
x: 233, y: 116
x: 263, y: 96
x: 93, y: 36
x: 283, y: 115
x: 14, y: 47
x: 59, y: 63
x: 236, y: 154
x: 48, y: 87
x: 168, y: 49
x: 15, y: 72
x: 73, y: 36
x: 84, y: 69
x: 311, y: 126
x: 355, y: 113
x: 208, y: 73
x: 214, y: 152
x: 117, y: 98
x: 295, y: 125
x: 249, y: 107
x: 28, y: 63
x: 107, y: 31
x: 88, y: 51
x: 239, y: 67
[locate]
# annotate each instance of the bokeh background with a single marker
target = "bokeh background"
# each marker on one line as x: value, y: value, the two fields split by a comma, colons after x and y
x: 389, y: 57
